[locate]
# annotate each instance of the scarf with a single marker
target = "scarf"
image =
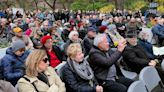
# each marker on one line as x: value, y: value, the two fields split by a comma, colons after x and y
x: 82, y: 69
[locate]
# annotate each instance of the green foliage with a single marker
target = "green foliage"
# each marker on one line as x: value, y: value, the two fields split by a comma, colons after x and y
x: 4, y: 43
x: 160, y: 8
x: 107, y: 8
x: 78, y: 6
x: 96, y: 5
x: 87, y: 5
x: 135, y: 5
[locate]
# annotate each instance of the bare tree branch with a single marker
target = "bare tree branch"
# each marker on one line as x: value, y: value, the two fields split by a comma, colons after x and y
x: 48, y: 4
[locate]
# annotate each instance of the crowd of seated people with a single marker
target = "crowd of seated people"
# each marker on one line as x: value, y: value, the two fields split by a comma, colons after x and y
x: 41, y: 41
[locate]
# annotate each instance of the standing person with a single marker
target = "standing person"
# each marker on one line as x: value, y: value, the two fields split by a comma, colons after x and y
x: 77, y: 72
x: 39, y: 76
x: 13, y: 62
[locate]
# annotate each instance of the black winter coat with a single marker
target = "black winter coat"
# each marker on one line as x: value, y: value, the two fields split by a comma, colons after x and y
x: 74, y: 83
x: 100, y: 63
x: 135, y: 57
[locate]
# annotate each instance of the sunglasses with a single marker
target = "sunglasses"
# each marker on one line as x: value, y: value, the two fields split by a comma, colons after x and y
x: 45, y: 60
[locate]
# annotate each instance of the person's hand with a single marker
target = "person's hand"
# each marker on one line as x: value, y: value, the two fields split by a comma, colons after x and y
x: 121, y: 45
x: 55, y: 40
x: 152, y: 63
x: 99, y: 88
x: 56, y: 33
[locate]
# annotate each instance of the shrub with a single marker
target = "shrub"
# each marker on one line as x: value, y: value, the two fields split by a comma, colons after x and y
x: 107, y: 8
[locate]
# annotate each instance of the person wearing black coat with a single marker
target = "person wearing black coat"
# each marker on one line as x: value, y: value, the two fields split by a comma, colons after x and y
x: 88, y: 39
x: 136, y: 58
x: 103, y: 61
x: 77, y: 74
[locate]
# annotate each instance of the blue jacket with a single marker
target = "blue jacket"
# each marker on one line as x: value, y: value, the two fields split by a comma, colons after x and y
x: 13, y: 66
x: 158, y: 30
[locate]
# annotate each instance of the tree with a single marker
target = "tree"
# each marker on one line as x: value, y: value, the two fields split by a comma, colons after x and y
x: 52, y: 6
x: 36, y: 4
x: 119, y: 4
x: 6, y: 3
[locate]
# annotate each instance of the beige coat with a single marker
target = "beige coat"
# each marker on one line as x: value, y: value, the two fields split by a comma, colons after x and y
x: 56, y: 84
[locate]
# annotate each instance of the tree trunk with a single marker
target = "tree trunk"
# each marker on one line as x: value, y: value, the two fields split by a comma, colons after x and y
x: 119, y: 4
x: 36, y: 4
x: 54, y: 5
x: 51, y: 6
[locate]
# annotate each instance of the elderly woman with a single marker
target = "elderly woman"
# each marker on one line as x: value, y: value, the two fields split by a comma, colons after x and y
x: 39, y: 77
x: 73, y: 38
x: 77, y: 73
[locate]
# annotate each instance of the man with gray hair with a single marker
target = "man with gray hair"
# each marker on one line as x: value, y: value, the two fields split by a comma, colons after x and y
x: 103, y: 62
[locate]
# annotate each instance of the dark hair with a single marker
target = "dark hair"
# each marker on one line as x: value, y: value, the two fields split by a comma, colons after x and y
x: 51, y: 30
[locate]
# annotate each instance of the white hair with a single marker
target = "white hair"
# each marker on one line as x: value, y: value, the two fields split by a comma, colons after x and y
x: 99, y: 38
x: 141, y: 34
x: 45, y: 22
x: 72, y: 33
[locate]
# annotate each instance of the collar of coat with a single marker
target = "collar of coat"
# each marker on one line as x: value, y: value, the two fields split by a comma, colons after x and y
x: 35, y: 79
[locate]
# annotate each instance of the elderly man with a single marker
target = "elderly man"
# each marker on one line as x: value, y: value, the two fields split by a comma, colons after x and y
x: 136, y: 58
x: 103, y: 62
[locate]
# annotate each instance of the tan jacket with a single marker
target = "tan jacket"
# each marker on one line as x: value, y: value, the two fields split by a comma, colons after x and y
x: 56, y: 84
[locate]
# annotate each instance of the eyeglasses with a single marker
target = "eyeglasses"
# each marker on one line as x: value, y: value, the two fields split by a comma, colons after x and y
x: 45, y: 60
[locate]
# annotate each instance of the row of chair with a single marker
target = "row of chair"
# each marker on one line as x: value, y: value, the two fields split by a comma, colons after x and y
x: 149, y: 81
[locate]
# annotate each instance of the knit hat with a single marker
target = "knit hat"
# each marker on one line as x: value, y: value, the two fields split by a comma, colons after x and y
x: 91, y: 29
x: 72, y: 33
x: 45, y: 38
x: 17, y: 30
x: 17, y: 45
x: 102, y: 29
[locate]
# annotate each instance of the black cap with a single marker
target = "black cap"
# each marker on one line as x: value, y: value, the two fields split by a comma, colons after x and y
x: 131, y: 34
